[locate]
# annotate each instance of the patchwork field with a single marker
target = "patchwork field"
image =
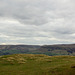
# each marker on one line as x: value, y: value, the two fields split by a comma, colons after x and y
x: 31, y: 64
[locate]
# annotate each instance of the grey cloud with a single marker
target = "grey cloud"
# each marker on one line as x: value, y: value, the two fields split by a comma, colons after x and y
x: 23, y: 11
x: 37, y: 21
x: 34, y: 12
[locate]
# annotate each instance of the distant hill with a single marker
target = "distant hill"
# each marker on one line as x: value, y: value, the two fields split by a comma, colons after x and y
x: 17, y: 49
x: 61, y: 49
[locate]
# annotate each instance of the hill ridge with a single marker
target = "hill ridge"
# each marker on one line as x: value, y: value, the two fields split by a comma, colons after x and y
x: 58, y: 49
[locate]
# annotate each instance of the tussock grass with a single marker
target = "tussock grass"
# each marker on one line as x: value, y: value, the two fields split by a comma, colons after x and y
x: 30, y: 64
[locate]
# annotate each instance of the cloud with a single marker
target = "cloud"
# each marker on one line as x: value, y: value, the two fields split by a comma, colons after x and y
x: 37, y: 21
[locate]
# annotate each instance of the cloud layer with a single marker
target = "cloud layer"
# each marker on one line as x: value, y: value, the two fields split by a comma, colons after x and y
x: 37, y: 21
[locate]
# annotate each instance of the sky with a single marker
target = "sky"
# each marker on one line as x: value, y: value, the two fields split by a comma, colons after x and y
x: 37, y: 22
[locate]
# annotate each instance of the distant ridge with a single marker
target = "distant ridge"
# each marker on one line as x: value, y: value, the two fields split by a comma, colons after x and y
x: 58, y: 49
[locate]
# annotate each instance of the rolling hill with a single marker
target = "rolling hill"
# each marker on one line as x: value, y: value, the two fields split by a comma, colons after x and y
x: 61, y: 49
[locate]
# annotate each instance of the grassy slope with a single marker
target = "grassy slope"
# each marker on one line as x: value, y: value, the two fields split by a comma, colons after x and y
x: 30, y: 64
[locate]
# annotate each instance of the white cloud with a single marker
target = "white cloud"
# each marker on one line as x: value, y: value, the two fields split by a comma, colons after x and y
x: 37, y: 21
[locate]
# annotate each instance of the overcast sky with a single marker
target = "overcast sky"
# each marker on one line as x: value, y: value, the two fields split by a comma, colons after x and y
x: 37, y: 22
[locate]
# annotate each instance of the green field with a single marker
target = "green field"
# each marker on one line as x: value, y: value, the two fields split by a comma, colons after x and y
x: 30, y: 64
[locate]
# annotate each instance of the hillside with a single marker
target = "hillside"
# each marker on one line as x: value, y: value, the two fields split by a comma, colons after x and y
x: 17, y: 49
x: 61, y: 49
x: 30, y: 64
